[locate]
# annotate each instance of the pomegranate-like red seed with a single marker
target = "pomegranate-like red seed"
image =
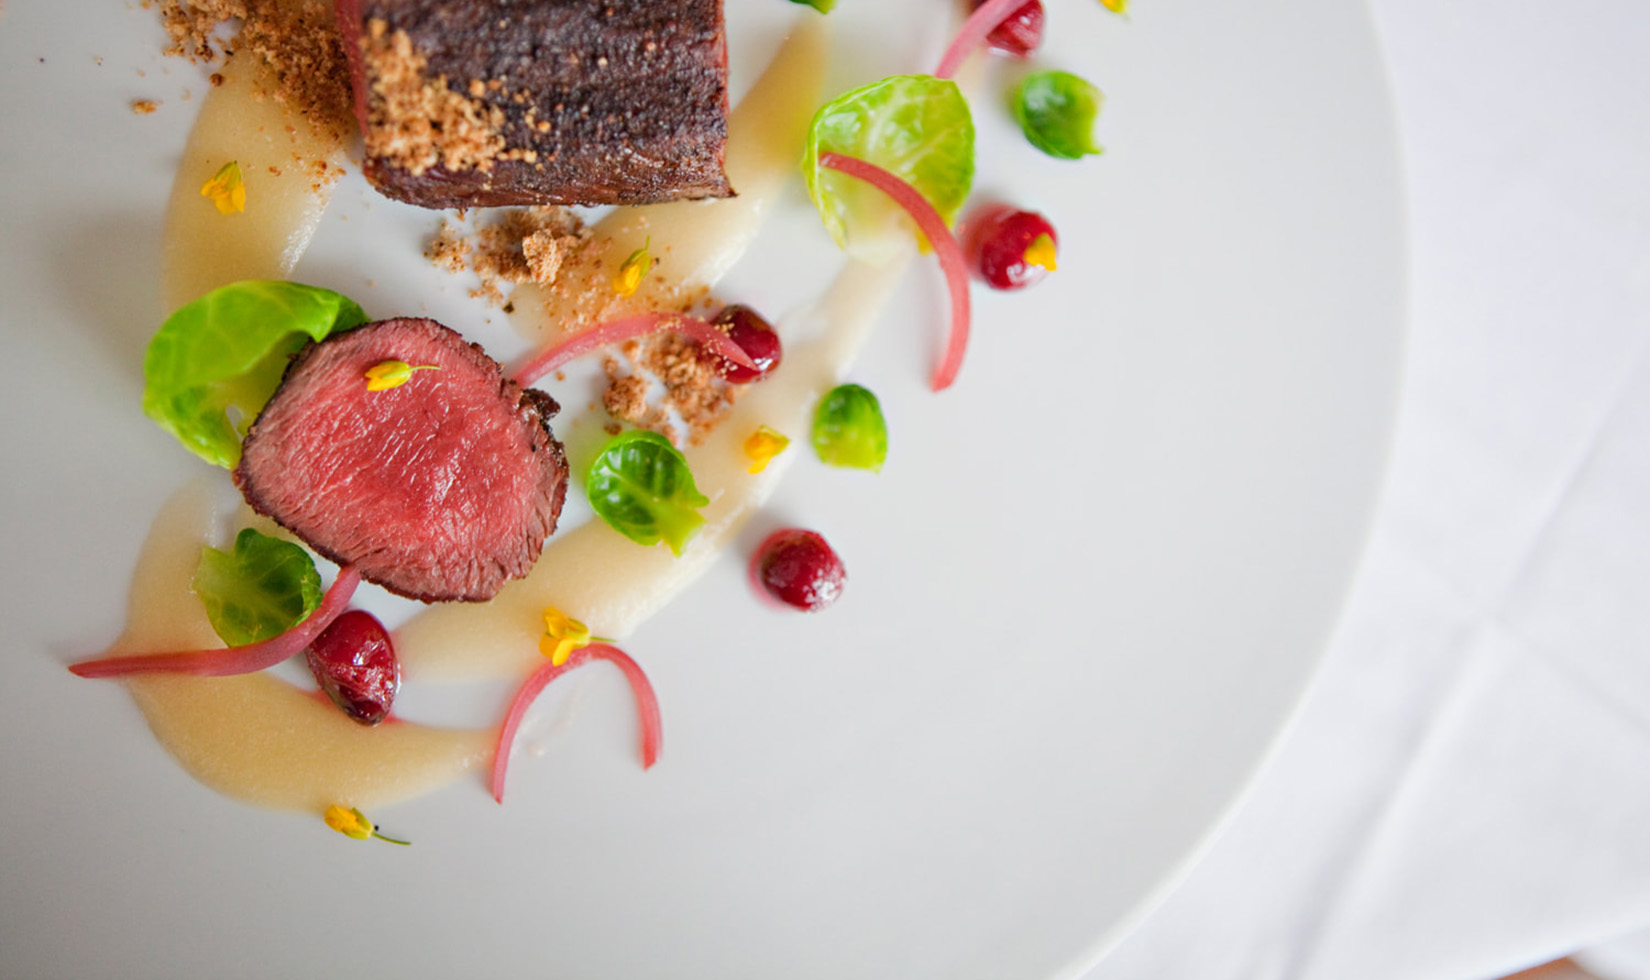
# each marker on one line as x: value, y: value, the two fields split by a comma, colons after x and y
x: 1020, y: 32
x: 355, y: 665
x: 997, y: 244
x: 755, y: 336
x: 799, y: 569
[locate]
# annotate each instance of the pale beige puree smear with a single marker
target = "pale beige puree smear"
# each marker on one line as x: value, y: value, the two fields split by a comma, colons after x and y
x: 286, y: 191
x: 255, y: 737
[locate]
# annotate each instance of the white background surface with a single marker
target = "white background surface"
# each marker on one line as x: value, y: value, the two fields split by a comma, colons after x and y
x: 1466, y: 792
x: 1084, y: 593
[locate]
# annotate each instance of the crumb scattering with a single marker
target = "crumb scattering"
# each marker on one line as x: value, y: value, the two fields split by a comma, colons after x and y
x: 143, y: 107
x: 690, y: 389
x: 297, y: 39
x: 518, y: 245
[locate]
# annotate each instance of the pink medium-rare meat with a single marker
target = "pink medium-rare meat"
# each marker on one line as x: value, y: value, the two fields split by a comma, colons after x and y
x: 475, y: 103
x: 442, y: 488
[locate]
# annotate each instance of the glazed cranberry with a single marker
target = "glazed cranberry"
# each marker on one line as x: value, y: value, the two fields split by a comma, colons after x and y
x: 355, y: 665
x: 755, y: 337
x: 799, y: 569
x: 1020, y: 32
x: 1007, y: 249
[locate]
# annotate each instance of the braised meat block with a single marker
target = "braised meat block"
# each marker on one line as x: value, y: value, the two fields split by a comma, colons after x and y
x: 467, y: 103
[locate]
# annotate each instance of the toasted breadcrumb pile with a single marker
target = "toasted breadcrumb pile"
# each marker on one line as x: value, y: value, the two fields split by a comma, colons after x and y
x: 297, y: 39
x: 196, y: 28
x: 518, y: 245
x: 690, y: 388
x: 418, y: 122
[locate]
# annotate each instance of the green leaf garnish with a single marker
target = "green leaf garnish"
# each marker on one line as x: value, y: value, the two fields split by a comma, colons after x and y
x: 641, y: 486
x: 849, y: 429
x: 823, y: 6
x: 918, y: 128
x: 226, y: 352
x: 258, y: 589
x: 1056, y: 110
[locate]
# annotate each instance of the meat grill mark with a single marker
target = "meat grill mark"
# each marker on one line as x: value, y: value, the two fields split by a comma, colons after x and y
x: 441, y: 489
x: 596, y: 101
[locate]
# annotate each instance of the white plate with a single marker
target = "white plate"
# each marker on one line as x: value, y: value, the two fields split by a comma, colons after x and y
x: 1086, y: 592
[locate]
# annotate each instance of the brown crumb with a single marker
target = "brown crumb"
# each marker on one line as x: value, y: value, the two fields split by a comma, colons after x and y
x: 143, y: 107
x: 448, y: 249
x: 544, y: 251
x: 297, y: 39
x: 625, y: 398
x: 417, y: 122
x: 693, y: 390
x: 518, y: 245
x: 197, y: 29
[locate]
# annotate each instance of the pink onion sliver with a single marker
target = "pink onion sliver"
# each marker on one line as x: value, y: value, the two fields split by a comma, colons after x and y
x: 234, y: 660
x: 629, y: 328
x: 980, y: 23
x: 940, y: 237
x: 647, y: 703
x: 647, y: 706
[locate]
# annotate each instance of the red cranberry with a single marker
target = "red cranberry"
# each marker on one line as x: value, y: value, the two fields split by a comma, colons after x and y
x: 799, y: 569
x: 1020, y: 32
x: 998, y: 241
x: 355, y: 665
x: 755, y: 337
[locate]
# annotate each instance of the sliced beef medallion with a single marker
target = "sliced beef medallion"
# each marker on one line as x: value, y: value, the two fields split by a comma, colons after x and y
x: 443, y: 487
x: 475, y: 103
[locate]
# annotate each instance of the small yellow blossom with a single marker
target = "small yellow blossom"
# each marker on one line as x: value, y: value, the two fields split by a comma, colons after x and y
x: 634, y: 270
x: 393, y: 374
x: 763, y: 445
x: 1041, y: 252
x: 1116, y: 6
x: 226, y: 189
x: 562, y: 635
x: 354, y: 824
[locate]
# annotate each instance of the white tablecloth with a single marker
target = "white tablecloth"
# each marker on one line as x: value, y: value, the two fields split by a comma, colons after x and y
x: 1467, y: 791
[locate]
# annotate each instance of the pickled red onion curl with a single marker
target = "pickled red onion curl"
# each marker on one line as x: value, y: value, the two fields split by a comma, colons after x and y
x: 647, y: 705
x: 629, y: 328
x: 980, y: 23
x: 234, y: 660
x: 945, y: 246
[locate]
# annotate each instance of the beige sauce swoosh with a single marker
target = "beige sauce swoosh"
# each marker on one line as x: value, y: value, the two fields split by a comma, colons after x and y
x: 255, y: 737
x: 281, y: 155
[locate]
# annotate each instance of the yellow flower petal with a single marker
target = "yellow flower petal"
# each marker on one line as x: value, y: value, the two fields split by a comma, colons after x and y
x: 354, y: 824
x: 1041, y: 252
x: 562, y: 635
x: 1116, y: 6
x: 762, y: 446
x: 350, y: 823
x: 393, y: 374
x: 226, y: 189
x: 634, y: 270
